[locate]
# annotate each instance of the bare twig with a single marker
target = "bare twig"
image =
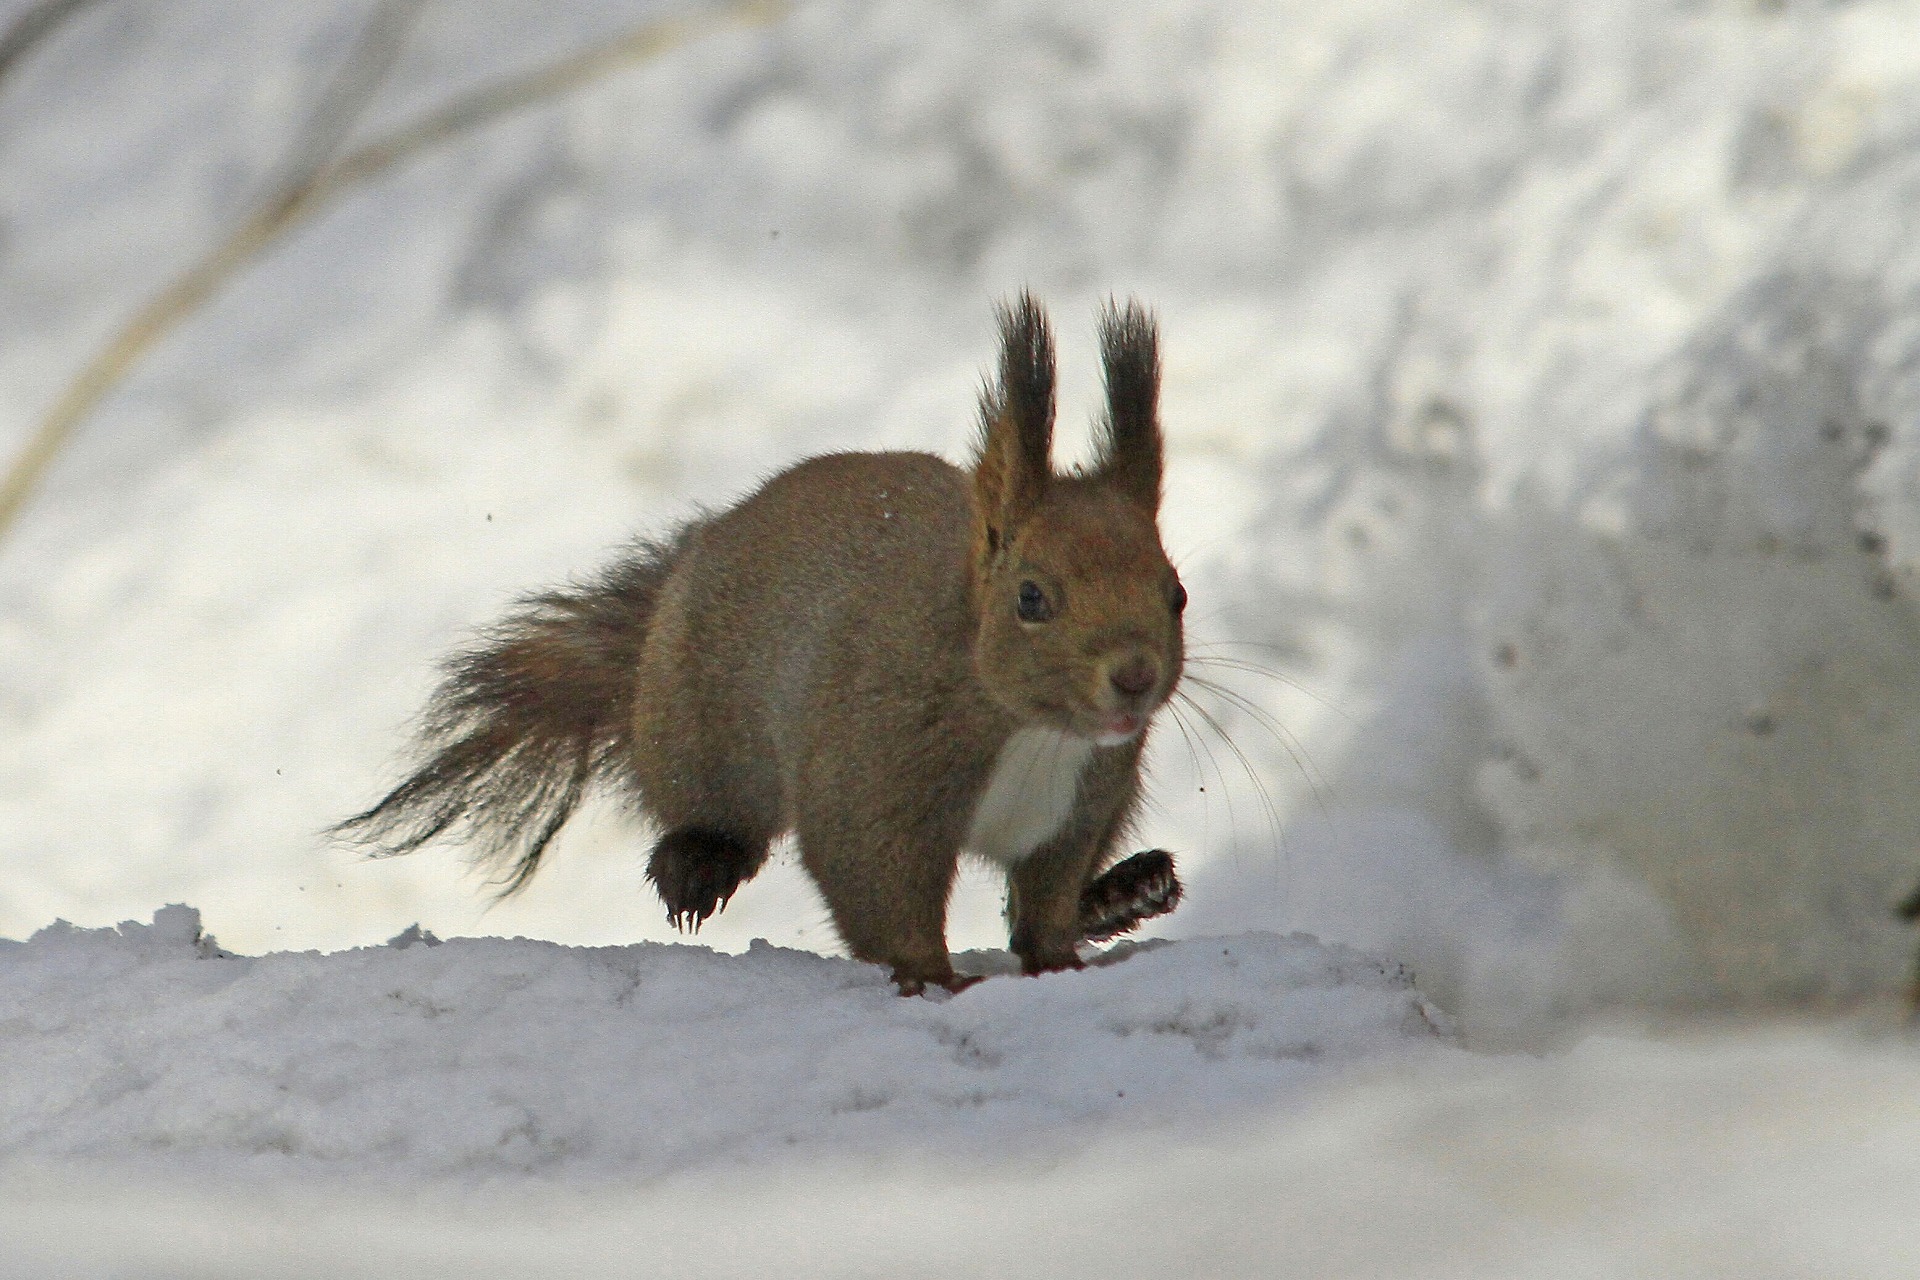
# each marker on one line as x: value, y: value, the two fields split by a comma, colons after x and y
x: 33, y: 26
x: 306, y: 195
x: 361, y: 72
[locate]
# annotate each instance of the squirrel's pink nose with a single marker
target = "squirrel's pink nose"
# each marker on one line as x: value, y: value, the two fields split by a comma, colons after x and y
x: 1135, y: 676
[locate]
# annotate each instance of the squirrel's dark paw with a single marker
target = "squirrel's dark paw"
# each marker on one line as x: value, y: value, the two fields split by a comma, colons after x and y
x: 695, y: 872
x: 1128, y: 894
x: 952, y: 985
x: 1909, y: 909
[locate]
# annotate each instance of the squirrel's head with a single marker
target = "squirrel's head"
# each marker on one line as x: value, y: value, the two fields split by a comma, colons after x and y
x: 1077, y: 606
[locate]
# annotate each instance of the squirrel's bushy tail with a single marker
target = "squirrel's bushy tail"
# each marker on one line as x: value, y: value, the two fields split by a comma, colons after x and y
x: 526, y: 720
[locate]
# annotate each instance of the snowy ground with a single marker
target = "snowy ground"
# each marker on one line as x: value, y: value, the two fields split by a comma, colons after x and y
x: 1543, y: 398
x: 1750, y: 1159
x: 1256, y: 1106
x: 489, y: 1056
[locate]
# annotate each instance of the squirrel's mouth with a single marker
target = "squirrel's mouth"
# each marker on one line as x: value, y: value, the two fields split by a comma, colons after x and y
x: 1115, y: 727
x: 1107, y: 726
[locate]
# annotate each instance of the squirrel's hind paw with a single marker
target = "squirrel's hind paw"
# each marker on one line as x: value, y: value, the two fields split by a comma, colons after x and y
x: 695, y: 873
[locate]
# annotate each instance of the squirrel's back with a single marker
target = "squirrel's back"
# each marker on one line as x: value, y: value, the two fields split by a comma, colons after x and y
x: 753, y: 662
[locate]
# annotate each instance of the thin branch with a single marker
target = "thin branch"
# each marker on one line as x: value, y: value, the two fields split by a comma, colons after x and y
x: 346, y: 98
x: 33, y: 26
x: 305, y: 196
x: 333, y: 118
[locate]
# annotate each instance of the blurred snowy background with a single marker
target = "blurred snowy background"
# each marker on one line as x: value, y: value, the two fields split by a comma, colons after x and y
x: 1543, y: 385
x: 1542, y: 390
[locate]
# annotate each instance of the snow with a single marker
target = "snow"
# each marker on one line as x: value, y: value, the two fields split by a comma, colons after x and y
x: 1258, y: 1106
x: 1543, y: 423
x: 484, y: 1058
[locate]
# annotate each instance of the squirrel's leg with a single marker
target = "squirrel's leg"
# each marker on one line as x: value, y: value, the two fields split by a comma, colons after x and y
x: 1045, y: 890
x: 888, y: 900
x: 714, y: 793
x: 1043, y: 903
x: 718, y: 817
x: 716, y: 838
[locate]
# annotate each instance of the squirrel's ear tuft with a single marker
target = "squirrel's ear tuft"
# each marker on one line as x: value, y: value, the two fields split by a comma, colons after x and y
x: 1016, y: 425
x: 1129, y: 455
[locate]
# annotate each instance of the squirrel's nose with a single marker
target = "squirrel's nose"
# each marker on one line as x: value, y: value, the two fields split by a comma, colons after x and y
x: 1135, y: 676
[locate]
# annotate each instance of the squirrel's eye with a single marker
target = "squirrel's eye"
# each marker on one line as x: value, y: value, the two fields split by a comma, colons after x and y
x: 1179, y: 598
x: 1033, y: 603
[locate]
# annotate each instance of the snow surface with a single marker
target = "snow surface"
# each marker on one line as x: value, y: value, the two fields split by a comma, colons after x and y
x: 1253, y: 1106
x: 1543, y: 400
x: 481, y: 1058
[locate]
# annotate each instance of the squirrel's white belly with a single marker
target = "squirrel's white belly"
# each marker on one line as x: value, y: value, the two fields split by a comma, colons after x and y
x: 1030, y: 794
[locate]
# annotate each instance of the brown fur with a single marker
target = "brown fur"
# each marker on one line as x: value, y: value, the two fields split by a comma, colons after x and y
x: 843, y: 656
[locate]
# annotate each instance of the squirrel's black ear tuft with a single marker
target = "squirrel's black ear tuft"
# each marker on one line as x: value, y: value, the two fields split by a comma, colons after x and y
x: 1016, y: 418
x: 1026, y: 381
x: 1130, y: 446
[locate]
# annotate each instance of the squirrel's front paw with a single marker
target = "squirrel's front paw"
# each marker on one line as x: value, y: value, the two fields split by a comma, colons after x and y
x: 1128, y: 894
x: 1910, y: 910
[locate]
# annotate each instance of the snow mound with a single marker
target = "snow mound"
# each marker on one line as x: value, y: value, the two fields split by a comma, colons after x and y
x: 482, y: 1058
x: 1771, y: 1152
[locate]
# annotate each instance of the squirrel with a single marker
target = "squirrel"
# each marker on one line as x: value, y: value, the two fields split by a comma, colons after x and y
x: 893, y: 659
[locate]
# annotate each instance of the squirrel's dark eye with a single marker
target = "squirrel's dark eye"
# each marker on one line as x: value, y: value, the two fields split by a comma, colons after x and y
x: 1179, y: 600
x: 1033, y: 603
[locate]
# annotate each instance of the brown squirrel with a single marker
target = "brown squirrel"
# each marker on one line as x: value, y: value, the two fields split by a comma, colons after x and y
x: 893, y: 659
